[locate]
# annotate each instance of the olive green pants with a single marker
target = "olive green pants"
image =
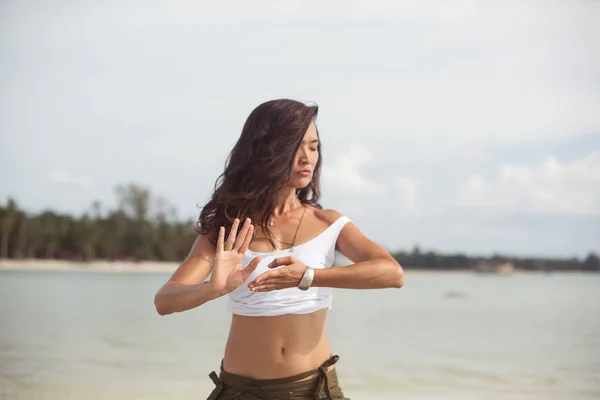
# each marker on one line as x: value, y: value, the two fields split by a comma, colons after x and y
x: 323, y: 386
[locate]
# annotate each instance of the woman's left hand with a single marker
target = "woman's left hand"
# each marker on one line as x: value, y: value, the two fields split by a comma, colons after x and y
x: 289, y: 275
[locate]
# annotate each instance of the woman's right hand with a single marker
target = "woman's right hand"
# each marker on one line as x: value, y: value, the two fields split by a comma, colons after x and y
x: 227, y: 274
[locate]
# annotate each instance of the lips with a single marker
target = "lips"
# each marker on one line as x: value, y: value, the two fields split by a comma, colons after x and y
x: 304, y: 172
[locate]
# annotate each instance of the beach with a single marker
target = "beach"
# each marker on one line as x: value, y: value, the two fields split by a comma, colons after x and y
x: 91, y: 266
x: 92, y: 332
x: 163, y: 267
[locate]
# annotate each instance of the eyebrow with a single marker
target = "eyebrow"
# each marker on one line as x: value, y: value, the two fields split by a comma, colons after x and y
x: 314, y: 141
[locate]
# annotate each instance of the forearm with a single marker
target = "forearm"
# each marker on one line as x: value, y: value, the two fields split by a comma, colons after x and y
x: 176, y: 297
x: 373, y: 274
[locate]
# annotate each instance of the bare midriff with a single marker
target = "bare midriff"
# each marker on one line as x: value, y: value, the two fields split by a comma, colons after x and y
x: 276, y: 347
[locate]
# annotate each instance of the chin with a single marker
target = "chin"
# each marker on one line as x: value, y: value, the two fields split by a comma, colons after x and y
x: 300, y: 183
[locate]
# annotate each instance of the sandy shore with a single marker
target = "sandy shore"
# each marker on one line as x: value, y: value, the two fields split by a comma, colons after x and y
x: 117, y: 266
x: 94, y: 266
x: 169, y: 267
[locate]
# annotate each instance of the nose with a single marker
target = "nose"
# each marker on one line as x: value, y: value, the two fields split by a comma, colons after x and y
x: 305, y: 157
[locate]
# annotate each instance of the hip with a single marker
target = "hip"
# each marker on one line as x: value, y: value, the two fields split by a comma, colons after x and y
x: 317, y: 384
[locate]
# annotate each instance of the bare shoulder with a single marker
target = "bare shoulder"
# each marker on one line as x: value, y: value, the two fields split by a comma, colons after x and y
x: 351, y: 242
x: 328, y: 216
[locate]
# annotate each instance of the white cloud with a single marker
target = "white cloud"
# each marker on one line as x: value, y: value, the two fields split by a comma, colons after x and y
x: 404, y: 195
x: 550, y: 186
x: 356, y: 192
x: 422, y: 83
x: 346, y: 173
x: 236, y: 11
x: 63, y: 177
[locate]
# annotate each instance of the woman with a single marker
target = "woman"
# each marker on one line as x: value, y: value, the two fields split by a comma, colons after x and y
x: 276, y: 267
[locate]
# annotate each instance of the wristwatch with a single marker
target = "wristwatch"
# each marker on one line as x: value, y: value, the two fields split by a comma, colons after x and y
x: 307, y: 278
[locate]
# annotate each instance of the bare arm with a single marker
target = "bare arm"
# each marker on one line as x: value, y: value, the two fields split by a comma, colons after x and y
x: 187, y: 288
x: 373, y: 266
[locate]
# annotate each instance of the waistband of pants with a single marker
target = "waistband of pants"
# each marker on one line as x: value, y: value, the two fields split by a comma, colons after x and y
x: 238, y: 384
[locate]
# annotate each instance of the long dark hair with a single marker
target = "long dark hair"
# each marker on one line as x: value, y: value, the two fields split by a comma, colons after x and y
x: 259, y: 165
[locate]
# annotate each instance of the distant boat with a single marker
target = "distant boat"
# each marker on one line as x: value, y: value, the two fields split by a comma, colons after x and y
x: 506, y: 268
x: 548, y: 269
x: 491, y: 267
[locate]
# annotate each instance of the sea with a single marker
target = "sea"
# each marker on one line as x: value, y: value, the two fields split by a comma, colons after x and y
x: 459, y: 335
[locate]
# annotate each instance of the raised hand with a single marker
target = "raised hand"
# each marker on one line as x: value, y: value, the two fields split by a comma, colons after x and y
x: 285, y: 277
x: 227, y: 273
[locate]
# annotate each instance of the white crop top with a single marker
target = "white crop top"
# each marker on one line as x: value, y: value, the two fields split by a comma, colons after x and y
x: 317, y: 253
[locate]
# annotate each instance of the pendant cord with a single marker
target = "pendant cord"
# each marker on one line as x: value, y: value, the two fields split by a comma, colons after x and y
x: 298, y: 227
x: 296, y: 233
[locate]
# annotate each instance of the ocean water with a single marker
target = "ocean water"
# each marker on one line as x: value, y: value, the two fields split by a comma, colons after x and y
x: 86, y: 335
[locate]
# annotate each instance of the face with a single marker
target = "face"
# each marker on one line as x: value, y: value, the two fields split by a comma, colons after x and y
x: 305, y: 159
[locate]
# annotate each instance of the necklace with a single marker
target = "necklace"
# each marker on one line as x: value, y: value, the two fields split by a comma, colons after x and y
x: 291, y: 249
x: 272, y: 220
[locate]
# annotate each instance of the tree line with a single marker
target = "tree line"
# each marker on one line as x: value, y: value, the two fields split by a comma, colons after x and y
x: 145, y: 227
x: 142, y: 227
x: 417, y: 259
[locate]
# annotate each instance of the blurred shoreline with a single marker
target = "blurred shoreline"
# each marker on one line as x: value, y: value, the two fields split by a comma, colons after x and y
x: 93, y: 266
x: 42, y: 265
x: 36, y: 265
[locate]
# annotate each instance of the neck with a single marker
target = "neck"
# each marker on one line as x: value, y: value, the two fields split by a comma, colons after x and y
x: 286, y: 201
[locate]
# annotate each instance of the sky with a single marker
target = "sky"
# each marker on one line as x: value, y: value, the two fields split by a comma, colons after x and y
x: 457, y: 126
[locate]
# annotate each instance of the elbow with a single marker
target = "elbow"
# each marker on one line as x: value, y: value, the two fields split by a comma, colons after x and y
x: 161, y: 305
x: 162, y: 312
x: 393, y: 275
x: 398, y: 276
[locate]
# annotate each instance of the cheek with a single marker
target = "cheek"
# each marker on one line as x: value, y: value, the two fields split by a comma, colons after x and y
x: 297, y: 159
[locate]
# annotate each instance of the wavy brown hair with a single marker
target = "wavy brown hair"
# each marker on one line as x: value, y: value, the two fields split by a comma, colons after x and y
x: 259, y: 165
